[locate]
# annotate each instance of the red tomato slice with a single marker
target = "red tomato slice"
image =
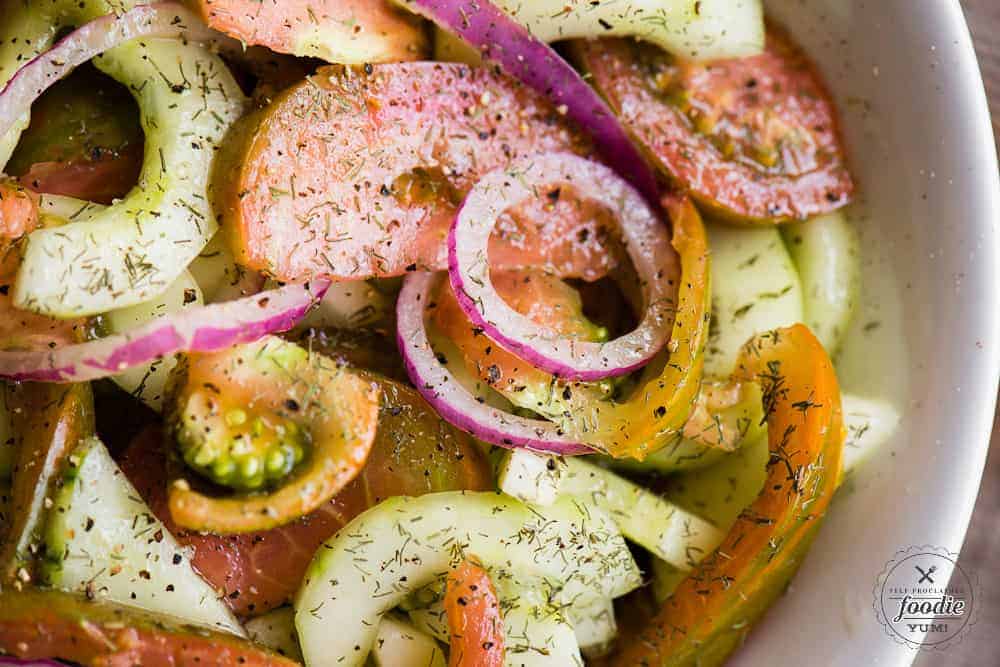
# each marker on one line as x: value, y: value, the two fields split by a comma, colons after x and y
x: 414, y: 453
x: 474, y: 621
x: 37, y: 625
x: 356, y: 173
x: 753, y: 139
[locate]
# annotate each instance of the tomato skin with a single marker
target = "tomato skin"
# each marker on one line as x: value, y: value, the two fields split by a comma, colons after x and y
x: 379, y: 159
x: 45, y: 624
x: 18, y: 217
x: 474, y: 621
x: 752, y: 139
x: 414, y: 453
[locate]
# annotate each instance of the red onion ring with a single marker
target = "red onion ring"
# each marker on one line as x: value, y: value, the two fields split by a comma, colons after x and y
x: 165, y: 19
x: 646, y: 240
x: 503, y: 40
x: 205, y: 329
x: 454, y: 402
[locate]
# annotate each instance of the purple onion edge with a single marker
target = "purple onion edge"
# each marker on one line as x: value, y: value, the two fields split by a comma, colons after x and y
x: 470, y: 424
x: 523, y: 350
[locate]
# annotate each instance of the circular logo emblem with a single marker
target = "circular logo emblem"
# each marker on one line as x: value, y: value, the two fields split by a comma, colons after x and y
x: 924, y: 599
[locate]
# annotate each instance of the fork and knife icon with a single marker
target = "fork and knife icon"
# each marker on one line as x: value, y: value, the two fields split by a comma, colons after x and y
x: 925, y: 575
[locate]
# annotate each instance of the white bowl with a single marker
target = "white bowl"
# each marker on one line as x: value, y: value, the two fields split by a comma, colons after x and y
x: 915, y: 117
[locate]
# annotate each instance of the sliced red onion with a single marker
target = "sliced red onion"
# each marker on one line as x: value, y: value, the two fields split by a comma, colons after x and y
x: 165, y: 19
x: 503, y: 40
x: 454, y: 402
x: 646, y: 240
x: 205, y: 329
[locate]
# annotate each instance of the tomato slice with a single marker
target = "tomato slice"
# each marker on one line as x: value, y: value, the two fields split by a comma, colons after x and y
x: 546, y: 300
x: 36, y: 625
x: 414, y: 453
x: 352, y: 31
x: 753, y: 139
x: 355, y: 173
x: 474, y: 621
x: 18, y: 217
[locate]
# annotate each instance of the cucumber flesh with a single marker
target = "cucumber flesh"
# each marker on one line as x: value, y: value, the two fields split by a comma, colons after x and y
x: 536, y: 633
x: 218, y: 275
x: 399, y: 644
x: 276, y: 631
x: 668, y: 531
x: 136, y: 248
x: 403, y: 544
x: 531, y: 477
x: 27, y: 32
x: 705, y: 30
x: 827, y: 255
x: 102, y: 540
x: 870, y: 423
x: 595, y: 627
x: 147, y: 382
x: 755, y: 288
x: 666, y: 579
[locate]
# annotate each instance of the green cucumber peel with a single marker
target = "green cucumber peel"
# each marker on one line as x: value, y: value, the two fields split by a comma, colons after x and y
x: 136, y: 248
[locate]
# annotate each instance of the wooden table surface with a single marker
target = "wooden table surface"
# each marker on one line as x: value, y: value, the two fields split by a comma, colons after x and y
x: 982, y: 545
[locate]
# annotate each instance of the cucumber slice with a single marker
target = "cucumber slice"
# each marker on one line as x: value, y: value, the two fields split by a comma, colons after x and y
x: 102, y: 540
x: 755, y: 288
x: 870, y: 423
x: 399, y: 644
x: 147, y: 382
x: 276, y: 631
x: 827, y: 256
x: 666, y: 579
x: 704, y: 30
x: 531, y: 477
x: 718, y: 494
x: 431, y: 620
x: 58, y: 210
x: 404, y: 544
x: 26, y: 33
x: 536, y: 632
x: 218, y: 275
x: 679, y: 456
x: 669, y: 532
x: 135, y: 249
x: 595, y: 627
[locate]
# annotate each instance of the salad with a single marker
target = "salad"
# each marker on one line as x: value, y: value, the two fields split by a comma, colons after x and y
x: 352, y: 332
